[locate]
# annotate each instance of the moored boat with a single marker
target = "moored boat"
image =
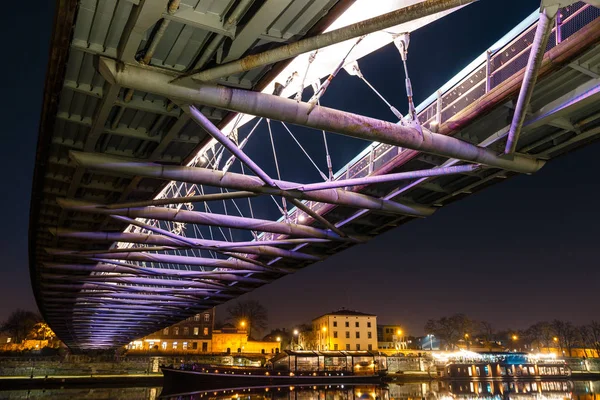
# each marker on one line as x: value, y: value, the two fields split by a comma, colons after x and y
x: 474, y: 366
x: 287, y: 368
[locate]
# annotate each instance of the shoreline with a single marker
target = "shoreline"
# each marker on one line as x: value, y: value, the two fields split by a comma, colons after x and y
x: 100, y: 381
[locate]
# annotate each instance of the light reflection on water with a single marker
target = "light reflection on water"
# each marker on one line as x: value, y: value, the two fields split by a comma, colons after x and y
x: 435, y: 390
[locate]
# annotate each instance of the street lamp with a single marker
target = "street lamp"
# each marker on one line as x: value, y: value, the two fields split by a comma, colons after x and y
x: 296, y: 335
x: 430, y: 342
x: 399, y: 335
x: 467, y: 341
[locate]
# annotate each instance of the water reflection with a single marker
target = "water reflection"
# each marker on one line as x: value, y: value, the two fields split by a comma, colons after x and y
x: 434, y: 390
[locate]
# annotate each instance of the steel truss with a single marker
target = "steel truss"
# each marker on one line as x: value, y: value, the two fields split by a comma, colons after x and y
x: 180, y: 256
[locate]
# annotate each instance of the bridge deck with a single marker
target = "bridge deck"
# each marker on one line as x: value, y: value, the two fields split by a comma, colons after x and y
x: 92, y: 298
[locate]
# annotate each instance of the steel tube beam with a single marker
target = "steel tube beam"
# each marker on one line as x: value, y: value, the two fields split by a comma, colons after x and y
x: 162, y: 240
x: 166, y: 258
x: 352, y: 31
x: 369, y: 180
x: 197, y: 217
x: 182, y: 200
x: 321, y: 118
x: 538, y: 48
x: 213, y: 131
x: 133, y: 270
x: 236, y: 181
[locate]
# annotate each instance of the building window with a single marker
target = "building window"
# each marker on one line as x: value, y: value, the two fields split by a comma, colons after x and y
x: 195, y: 345
x: 335, y: 346
x: 196, y: 330
x: 205, y: 346
x: 174, y: 345
x: 335, y: 334
x: 164, y: 345
x: 176, y: 330
x: 197, y: 317
x: 166, y: 331
x: 205, y: 331
x: 207, y: 317
x: 334, y: 324
x: 239, y: 350
x: 369, y: 335
x: 185, y: 345
x: 357, y: 324
x: 370, y: 347
x: 347, y: 324
x: 186, y: 331
x: 368, y: 324
x: 357, y: 346
x: 347, y: 335
x: 347, y: 346
x: 358, y: 335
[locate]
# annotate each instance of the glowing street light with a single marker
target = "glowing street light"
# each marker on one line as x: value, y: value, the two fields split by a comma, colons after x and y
x: 515, y: 337
x: 555, y: 339
x: 278, y: 339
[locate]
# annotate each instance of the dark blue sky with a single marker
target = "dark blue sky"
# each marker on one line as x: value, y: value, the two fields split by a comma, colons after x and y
x: 518, y: 252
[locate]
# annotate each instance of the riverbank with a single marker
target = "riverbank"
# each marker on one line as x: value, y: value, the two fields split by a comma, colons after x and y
x: 100, y: 381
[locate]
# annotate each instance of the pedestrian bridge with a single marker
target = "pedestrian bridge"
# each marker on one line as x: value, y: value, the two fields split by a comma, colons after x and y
x: 176, y: 165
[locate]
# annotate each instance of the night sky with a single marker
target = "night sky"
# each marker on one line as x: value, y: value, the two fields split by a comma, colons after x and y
x: 518, y: 252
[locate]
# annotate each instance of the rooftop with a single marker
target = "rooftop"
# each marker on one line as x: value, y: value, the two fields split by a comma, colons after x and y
x: 344, y: 311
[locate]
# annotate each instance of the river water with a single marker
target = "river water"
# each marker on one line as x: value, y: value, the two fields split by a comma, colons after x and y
x: 436, y: 390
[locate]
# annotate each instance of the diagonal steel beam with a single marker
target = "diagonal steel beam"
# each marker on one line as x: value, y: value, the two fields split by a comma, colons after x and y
x: 236, y: 181
x: 155, y: 239
x: 536, y: 55
x: 321, y: 118
x: 165, y: 258
x: 202, y: 218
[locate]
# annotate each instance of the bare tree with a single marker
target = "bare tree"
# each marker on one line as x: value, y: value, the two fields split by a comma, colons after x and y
x: 450, y: 329
x: 540, y: 335
x: 307, y: 339
x: 20, y: 324
x: 566, y: 334
x: 593, y: 330
x: 249, y: 312
x: 486, y: 332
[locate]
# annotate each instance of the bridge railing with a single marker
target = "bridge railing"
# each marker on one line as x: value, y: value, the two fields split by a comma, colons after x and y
x: 500, y: 62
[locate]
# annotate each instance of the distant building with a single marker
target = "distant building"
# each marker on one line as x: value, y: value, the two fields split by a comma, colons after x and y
x: 196, y: 335
x: 230, y: 339
x: 391, y: 337
x: 191, y: 335
x: 344, y: 330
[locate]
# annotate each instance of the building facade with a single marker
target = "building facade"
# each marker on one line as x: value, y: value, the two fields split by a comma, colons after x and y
x: 193, y: 335
x: 345, y: 330
x: 391, y: 337
x: 230, y: 339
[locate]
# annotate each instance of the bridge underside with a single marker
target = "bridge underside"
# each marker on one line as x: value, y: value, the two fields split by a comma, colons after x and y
x: 142, y: 209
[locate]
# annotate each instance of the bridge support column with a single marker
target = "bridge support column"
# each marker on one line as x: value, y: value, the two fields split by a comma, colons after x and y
x: 538, y: 48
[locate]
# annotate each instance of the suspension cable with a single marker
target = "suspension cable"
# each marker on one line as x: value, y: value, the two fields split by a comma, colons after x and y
x: 311, y: 58
x: 313, y: 101
x: 283, y: 202
x: 304, y: 151
x: 353, y: 69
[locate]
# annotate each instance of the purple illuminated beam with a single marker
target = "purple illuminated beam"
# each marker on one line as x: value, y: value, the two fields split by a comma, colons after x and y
x: 257, y: 248
x: 233, y: 275
x: 166, y: 258
x: 182, y: 200
x: 536, y: 55
x: 369, y: 180
x: 230, y: 180
x: 201, y: 218
x: 209, y: 127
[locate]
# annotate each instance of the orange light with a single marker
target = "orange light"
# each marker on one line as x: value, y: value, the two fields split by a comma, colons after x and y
x: 514, y: 337
x: 324, y: 329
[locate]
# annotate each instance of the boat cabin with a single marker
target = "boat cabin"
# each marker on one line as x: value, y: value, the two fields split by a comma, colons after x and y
x: 334, y: 362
